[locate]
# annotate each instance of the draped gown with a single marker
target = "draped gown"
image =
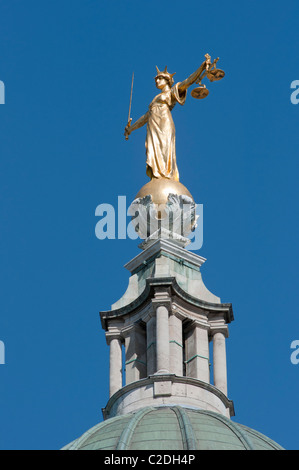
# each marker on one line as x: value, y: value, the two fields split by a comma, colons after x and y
x: 160, y: 135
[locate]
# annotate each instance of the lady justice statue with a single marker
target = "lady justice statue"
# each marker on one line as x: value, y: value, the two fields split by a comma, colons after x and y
x: 160, y: 143
x: 160, y: 135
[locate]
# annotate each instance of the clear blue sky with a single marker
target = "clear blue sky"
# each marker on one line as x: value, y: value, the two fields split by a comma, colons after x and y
x: 67, y: 68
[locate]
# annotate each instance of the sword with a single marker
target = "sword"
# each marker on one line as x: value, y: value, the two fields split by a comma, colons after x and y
x: 129, y: 115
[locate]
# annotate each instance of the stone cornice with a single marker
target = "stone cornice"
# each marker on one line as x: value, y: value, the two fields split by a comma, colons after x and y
x: 197, y: 323
x: 148, y: 294
x: 127, y: 330
x: 168, y: 248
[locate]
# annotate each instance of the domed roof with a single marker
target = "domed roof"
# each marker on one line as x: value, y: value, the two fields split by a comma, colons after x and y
x: 171, y: 428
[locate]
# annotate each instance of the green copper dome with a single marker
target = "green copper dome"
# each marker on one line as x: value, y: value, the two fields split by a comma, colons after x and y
x: 171, y: 428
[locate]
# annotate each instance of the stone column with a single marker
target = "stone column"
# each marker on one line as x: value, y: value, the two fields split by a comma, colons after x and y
x: 175, y: 345
x: 219, y: 361
x: 135, y: 346
x: 151, y: 345
x: 115, y: 382
x: 162, y: 339
x: 197, y: 352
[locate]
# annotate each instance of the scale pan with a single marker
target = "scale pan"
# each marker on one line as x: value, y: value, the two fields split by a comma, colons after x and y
x: 200, y: 93
x: 216, y: 74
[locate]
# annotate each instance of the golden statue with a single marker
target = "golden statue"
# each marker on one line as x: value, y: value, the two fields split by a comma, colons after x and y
x: 160, y: 135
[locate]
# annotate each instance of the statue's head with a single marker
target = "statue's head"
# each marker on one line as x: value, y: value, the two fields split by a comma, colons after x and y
x: 168, y: 77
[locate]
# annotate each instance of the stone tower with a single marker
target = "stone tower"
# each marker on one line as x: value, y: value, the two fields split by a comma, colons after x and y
x: 168, y: 322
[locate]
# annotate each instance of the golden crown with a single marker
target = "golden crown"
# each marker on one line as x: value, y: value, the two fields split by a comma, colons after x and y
x: 165, y: 74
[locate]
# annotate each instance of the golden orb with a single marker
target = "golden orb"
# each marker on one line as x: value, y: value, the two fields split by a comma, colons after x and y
x: 160, y: 188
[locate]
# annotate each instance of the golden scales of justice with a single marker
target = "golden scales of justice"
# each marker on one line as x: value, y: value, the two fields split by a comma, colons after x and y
x: 212, y: 73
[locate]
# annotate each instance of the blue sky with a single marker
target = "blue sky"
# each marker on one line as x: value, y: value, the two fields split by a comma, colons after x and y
x: 67, y: 68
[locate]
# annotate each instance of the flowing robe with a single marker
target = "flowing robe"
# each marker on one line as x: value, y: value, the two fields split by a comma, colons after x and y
x: 160, y: 135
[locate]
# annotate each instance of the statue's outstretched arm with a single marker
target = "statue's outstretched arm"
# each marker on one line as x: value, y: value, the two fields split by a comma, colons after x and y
x: 137, y: 124
x: 140, y: 122
x: 192, y: 79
